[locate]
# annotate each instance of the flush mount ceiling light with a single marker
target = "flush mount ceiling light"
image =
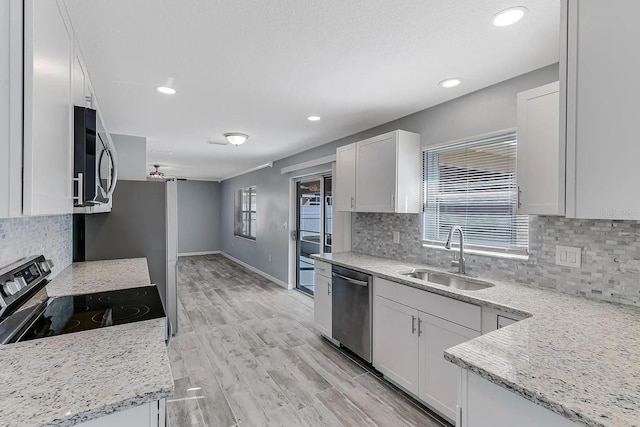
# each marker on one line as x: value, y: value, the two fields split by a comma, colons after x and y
x: 236, y: 138
x: 166, y: 90
x: 313, y: 118
x: 449, y: 83
x: 156, y: 174
x: 509, y: 16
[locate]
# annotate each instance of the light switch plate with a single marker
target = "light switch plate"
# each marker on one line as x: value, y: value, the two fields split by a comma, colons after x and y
x: 569, y: 256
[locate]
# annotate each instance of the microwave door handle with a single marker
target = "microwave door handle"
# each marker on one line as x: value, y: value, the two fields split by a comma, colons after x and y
x: 350, y: 280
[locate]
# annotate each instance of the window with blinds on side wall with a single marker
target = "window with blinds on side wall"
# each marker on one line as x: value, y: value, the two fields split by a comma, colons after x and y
x: 473, y: 184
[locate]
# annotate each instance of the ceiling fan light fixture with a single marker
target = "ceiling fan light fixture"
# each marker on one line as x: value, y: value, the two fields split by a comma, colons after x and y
x: 156, y: 174
x: 236, y: 138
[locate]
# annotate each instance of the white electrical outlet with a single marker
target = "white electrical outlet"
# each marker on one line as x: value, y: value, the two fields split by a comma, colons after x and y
x: 569, y: 256
x: 396, y: 237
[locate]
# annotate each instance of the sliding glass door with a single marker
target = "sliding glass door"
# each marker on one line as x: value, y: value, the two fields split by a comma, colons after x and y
x: 314, y: 226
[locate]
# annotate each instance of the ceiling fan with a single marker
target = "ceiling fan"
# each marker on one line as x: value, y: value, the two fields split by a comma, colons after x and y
x: 156, y: 174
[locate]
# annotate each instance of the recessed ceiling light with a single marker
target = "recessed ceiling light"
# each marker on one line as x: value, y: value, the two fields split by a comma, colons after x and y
x: 509, y: 16
x: 313, y: 118
x: 449, y: 83
x: 166, y: 90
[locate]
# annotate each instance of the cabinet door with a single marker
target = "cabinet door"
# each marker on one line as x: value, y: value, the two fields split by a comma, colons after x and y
x: 48, y: 137
x: 322, y: 304
x: 395, y: 343
x: 602, y: 134
x: 10, y: 108
x: 541, y: 152
x: 439, y: 378
x: 376, y: 174
x: 344, y: 194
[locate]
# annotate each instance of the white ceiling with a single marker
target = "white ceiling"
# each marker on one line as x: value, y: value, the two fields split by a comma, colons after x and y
x: 261, y: 67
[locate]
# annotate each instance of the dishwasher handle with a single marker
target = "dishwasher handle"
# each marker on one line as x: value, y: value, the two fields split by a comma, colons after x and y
x: 350, y: 280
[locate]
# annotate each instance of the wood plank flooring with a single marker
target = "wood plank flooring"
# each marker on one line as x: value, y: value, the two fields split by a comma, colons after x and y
x: 247, y: 355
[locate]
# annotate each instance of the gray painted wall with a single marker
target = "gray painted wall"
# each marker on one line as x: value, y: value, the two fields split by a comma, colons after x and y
x: 136, y: 227
x: 483, y: 111
x: 131, y: 152
x: 198, y: 216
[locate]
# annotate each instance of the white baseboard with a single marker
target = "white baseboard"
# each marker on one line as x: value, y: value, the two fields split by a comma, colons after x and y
x: 198, y: 253
x: 255, y: 270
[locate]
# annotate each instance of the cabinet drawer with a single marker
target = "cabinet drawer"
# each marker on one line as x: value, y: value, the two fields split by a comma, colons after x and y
x: 322, y: 268
x: 452, y: 310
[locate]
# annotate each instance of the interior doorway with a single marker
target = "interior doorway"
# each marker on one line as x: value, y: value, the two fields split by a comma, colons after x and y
x: 314, y: 213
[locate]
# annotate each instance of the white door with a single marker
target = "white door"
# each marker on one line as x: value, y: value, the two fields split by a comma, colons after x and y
x: 344, y: 198
x: 541, y: 158
x: 439, y: 378
x: 395, y: 343
x: 376, y: 174
x: 322, y: 305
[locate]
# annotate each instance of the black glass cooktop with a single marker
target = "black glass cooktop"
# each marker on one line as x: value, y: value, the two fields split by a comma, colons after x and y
x: 65, y: 315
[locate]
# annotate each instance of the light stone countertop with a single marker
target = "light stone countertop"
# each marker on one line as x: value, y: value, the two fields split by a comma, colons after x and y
x: 100, y: 276
x: 576, y: 357
x: 68, y: 379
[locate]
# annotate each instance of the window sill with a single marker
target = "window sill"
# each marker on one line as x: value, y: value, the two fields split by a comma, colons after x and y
x: 502, y: 255
x: 250, y: 239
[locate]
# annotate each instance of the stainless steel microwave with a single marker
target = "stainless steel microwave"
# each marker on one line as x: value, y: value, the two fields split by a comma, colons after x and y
x: 94, y: 160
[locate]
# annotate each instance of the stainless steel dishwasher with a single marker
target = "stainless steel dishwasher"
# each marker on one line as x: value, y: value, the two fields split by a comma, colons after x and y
x: 351, y: 311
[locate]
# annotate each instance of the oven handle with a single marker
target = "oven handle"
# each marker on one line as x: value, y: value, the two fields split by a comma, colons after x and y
x: 350, y: 280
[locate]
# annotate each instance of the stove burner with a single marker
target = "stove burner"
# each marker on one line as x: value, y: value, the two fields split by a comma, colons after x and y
x: 71, y: 325
x: 123, y: 296
x: 122, y: 314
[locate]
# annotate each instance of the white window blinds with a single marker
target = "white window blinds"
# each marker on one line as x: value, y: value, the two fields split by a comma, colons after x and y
x: 473, y: 184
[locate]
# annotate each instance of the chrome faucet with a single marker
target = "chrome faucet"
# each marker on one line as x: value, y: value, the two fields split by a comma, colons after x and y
x: 459, y: 262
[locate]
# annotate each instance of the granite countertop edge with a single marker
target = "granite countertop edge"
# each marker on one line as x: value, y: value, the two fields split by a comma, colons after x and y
x: 102, y: 411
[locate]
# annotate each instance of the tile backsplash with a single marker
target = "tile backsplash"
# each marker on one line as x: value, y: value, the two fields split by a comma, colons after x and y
x: 49, y: 235
x: 610, y: 254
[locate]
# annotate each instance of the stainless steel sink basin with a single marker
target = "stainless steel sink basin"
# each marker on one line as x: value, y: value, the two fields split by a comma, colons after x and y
x: 447, y: 280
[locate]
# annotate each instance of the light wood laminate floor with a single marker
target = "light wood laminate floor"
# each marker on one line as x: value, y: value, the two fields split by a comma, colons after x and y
x: 246, y: 355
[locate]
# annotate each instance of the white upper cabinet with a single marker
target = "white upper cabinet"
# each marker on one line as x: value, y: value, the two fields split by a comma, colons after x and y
x: 541, y: 152
x: 10, y: 108
x: 344, y: 199
x: 380, y: 174
x: 48, y: 135
x: 602, y: 69
x: 388, y: 173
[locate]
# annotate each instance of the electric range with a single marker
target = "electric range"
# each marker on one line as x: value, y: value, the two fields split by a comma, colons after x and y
x: 27, y: 312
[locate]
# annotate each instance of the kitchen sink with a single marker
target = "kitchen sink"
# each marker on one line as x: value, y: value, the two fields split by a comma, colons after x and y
x: 447, y: 280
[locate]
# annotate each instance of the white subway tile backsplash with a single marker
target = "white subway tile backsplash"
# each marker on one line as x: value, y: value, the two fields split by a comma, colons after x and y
x: 48, y: 235
x: 610, y: 268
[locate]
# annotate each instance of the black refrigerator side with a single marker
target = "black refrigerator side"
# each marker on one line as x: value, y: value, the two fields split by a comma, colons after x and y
x: 135, y: 227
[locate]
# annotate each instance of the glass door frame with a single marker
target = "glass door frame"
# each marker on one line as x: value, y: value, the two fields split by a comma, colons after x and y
x: 320, y: 177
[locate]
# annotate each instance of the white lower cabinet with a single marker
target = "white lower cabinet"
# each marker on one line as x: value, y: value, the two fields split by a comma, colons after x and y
x: 409, y: 341
x: 322, y: 304
x: 395, y: 343
x: 152, y: 414
x: 438, y: 378
x: 484, y: 404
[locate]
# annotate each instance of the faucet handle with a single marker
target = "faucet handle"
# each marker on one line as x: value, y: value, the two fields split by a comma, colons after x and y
x: 456, y: 260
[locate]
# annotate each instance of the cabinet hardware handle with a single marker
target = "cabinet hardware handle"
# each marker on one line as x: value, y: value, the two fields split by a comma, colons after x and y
x: 329, y: 288
x: 413, y: 325
x: 80, y: 197
x: 353, y: 202
x: 419, y: 326
x: 393, y: 201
